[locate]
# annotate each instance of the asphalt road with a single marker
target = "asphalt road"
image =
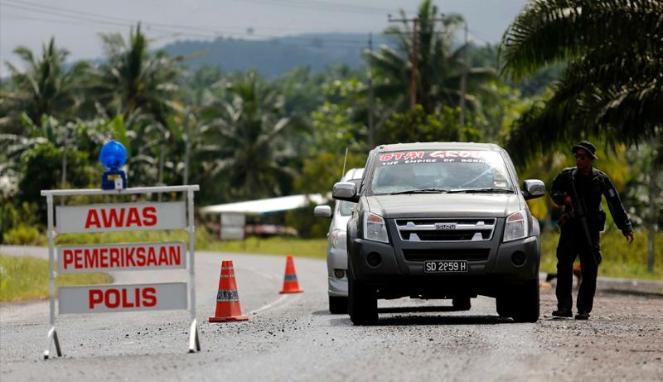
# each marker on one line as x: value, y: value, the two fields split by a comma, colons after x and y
x: 293, y: 337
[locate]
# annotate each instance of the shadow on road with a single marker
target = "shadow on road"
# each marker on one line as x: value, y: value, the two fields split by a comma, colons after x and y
x: 411, y: 320
x: 403, y: 309
x: 442, y: 320
x: 407, y: 309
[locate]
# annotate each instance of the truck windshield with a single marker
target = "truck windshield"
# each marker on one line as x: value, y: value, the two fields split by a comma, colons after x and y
x: 440, y: 171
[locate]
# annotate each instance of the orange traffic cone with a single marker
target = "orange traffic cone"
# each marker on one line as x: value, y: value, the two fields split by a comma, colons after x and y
x: 290, y: 283
x: 227, y: 299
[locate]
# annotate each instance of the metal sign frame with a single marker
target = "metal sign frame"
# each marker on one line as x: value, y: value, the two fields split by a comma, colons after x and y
x: 187, y: 190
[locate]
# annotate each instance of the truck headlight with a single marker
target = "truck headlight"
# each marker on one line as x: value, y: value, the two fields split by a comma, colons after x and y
x: 516, y: 226
x: 375, y: 228
x: 337, y: 239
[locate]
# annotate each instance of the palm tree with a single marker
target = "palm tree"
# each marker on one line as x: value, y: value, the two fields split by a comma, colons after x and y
x: 142, y: 87
x: 439, y: 67
x: 613, y: 83
x: 134, y: 80
x: 247, y: 145
x: 44, y: 87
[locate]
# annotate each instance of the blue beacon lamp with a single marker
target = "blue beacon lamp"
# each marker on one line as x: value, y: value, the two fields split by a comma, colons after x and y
x: 113, y: 156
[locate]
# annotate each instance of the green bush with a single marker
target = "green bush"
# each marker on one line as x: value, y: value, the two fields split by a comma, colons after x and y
x: 24, y: 235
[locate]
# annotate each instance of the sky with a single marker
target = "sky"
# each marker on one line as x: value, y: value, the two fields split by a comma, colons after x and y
x: 76, y: 24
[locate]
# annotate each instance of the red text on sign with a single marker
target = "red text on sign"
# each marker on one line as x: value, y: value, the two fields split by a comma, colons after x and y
x: 122, y: 298
x: 122, y: 257
x: 122, y: 217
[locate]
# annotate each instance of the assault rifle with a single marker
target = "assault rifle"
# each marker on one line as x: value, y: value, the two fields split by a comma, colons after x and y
x: 580, y: 213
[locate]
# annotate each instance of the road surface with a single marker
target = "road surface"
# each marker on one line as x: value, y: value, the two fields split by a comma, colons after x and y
x: 293, y: 337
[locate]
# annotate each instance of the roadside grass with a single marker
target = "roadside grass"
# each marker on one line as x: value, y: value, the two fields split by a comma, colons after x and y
x: 203, y: 239
x: 26, y: 278
x: 619, y: 258
x: 316, y: 248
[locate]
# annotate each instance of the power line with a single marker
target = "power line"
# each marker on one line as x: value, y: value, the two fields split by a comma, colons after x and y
x: 203, y: 32
x: 60, y: 10
x: 293, y: 41
x: 88, y: 16
x: 317, y: 5
x: 91, y: 17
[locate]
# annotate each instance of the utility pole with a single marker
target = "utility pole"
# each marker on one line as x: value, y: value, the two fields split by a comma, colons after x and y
x: 414, y: 53
x: 463, y: 78
x: 651, y: 234
x: 187, y: 148
x: 371, y: 132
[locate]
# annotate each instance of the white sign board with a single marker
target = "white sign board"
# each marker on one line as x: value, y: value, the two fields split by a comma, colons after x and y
x: 121, y: 257
x: 120, y: 217
x: 232, y: 226
x: 122, y: 298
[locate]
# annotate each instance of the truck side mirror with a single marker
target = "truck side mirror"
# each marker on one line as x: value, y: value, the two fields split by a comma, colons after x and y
x: 345, y: 191
x: 322, y: 211
x: 533, y: 188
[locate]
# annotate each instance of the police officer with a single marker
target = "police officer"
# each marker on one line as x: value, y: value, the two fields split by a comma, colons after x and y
x: 579, y: 189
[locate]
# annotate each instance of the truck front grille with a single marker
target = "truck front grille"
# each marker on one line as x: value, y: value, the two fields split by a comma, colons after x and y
x: 473, y: 254
x: 445, y: 229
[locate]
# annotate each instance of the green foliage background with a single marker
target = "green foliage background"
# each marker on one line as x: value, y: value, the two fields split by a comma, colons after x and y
x: 241, y: 136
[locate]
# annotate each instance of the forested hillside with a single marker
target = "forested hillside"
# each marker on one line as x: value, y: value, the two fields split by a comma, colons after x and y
x: 273, y: 57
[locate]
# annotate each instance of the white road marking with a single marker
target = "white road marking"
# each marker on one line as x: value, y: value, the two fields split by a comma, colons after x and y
x: 270, y: 305
x: 274, y: 303
x: 263, y: 274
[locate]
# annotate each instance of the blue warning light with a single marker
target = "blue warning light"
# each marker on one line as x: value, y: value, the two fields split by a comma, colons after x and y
x: 113, y: 155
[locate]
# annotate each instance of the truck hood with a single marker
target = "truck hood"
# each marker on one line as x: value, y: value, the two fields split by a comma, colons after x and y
x: 444, y: 205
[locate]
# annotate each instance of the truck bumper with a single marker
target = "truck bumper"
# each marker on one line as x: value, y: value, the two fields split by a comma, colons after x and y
x: 395, y: 276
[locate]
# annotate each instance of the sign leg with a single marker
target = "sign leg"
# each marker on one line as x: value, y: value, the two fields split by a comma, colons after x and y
x: 53, y: 339
x: 194, y: 339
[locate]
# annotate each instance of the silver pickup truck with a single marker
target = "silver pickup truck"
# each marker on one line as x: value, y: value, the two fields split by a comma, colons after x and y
x: 442, y: 220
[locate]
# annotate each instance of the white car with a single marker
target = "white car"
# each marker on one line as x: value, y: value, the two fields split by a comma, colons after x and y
x: 337, y: 256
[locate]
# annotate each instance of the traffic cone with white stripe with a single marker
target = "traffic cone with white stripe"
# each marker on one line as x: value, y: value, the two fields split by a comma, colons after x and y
x: 290, y: 283
x: 227, y: 299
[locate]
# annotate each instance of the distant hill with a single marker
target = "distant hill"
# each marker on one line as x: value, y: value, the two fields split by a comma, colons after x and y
x: 277, y: 56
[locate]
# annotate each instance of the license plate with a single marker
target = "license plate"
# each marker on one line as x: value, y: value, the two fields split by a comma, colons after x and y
x: 445, y: 266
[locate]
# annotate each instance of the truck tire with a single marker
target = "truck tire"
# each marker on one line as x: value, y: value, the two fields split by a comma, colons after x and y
x: 526, y: 307
x: 338, y: 304
x: 362, y: 302
x: 504, y: 305
x: 461, y: 303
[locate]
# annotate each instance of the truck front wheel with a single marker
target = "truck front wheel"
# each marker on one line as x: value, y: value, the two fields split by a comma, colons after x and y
x: 338, y: 304
x: 362, y: 302
x: 521, y: 302
x: 527, y: 303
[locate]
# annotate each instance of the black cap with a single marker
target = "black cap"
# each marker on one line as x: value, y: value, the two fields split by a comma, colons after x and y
x: 587, y: 146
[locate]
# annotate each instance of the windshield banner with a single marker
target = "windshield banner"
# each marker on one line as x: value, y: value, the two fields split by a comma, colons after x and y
x: 413, y: 157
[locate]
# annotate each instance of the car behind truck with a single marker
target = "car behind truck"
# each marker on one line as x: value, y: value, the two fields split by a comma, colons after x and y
x: 442, y: 220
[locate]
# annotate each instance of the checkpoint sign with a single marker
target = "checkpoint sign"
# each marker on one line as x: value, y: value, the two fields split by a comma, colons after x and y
x: 122, y: 298
x: 120, y: 217
x: 121, y: 257
x: 163, y: 294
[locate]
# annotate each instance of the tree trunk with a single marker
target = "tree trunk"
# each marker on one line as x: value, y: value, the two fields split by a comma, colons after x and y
x: 187, y: 150
x: 64, y: 170
x: 651, y: 236
x: 160, y: 175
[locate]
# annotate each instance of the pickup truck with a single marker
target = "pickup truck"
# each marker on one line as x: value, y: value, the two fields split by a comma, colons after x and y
x: 442, y: 221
